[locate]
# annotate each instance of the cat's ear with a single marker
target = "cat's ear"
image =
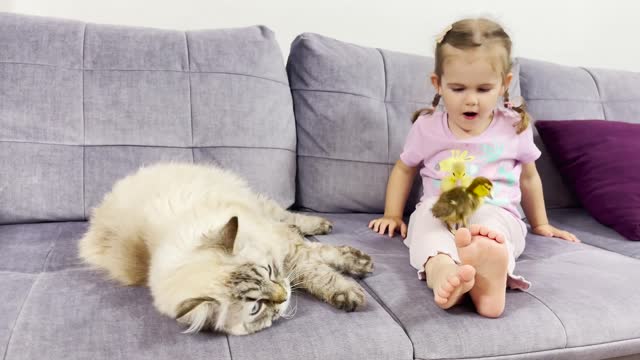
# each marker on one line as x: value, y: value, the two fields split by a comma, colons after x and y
x: 198, y: 311
x: 224, y: 238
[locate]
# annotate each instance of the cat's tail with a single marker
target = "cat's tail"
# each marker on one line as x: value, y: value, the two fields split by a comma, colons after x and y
x: 124, y: 258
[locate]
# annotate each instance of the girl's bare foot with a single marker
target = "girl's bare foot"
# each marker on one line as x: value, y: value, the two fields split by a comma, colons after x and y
x: 448, y: 280
x: 485, y: 250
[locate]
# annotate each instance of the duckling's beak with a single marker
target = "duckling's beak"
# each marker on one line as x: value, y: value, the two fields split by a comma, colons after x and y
x: 490, y: 196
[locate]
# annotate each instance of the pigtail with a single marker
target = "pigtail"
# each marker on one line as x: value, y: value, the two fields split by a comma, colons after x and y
x: 428, y: 110
x: 525, y: 118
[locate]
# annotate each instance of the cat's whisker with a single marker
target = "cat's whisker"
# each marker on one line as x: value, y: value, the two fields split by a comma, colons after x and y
x: 291, y: 311
x: 298, y: 279
x: 295, y: 286
x: 301, y: 274
x: 293, y: 274
x: 292, y: 314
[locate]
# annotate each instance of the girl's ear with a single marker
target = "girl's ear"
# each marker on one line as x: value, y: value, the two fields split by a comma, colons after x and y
x: 507, y: 82
x: 435, y: 81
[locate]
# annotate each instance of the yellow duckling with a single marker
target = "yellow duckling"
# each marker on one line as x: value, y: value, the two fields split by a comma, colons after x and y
x: 456, y: 205
x: 458, y: 177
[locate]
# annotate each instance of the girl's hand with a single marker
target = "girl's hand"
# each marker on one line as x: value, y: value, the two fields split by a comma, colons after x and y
x: 552, y: 231
x: 392, y: 222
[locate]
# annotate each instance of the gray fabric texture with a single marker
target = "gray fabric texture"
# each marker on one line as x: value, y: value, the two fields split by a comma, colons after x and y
x: 556, y: 92
x: 580, y: 299
x: 76, y: 314
x: 33, y: 248
x: 85, y: 104
x: 15, y: 289
x: 319, y: 331
x: 588, y: 289
x: 72, y: 312
x: 353, y: 109
x: 590, y: 231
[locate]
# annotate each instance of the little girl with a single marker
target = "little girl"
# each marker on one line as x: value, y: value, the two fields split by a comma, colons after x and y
x: 472, y: 70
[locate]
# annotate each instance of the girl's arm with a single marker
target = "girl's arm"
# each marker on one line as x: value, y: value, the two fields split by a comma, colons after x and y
x: 398, y: 189
x: 533, y: 205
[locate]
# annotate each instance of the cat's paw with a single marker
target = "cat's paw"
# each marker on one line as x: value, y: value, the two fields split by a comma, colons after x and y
x: 313, y: 225
x: 356, y: 262
x: 349, y: 299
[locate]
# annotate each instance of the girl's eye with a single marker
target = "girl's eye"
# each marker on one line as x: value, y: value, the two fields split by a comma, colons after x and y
x: 256, y: 307
x: 458, y: 90
x: 484, y: 90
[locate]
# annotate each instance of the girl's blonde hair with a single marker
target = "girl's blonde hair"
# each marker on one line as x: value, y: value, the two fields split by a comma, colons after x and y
x: 471, y: 34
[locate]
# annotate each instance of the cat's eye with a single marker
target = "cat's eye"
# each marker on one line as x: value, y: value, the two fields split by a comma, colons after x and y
x: 269, y: 270
x: 256, y: 307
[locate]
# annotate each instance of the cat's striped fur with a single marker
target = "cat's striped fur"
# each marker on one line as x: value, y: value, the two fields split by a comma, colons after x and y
x: 214, y: 253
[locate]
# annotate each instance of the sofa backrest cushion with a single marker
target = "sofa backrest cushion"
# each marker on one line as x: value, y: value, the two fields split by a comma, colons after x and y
x: 82, y: 105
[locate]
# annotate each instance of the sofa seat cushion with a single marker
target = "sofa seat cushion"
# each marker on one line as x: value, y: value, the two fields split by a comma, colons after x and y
x: 575, y: 288
x: 590, y: 231
x: 54, y: 305
x: 33, y: 248
x: 14, y: 290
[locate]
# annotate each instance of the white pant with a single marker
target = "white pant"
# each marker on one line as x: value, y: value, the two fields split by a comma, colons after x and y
x: 428, y: 236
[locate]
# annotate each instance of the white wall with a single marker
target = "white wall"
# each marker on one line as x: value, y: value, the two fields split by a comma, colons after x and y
x: 590, y: 33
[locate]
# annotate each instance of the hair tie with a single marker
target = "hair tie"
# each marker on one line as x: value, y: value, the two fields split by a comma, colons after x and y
x: 515, y: 102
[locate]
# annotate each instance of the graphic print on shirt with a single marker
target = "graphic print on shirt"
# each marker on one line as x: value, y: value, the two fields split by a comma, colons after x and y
x: 460, y: 168
x: 492, y: 153
x: 503, y: 180
x: 456, y: 170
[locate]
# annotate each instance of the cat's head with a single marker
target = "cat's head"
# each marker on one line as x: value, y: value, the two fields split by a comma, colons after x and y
x: 248, y: 294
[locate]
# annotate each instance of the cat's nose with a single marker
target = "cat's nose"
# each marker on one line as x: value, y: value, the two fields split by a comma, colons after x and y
x: 279, y: 294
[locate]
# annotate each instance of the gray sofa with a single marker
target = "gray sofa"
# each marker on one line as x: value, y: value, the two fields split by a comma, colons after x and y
x: 83, y: 104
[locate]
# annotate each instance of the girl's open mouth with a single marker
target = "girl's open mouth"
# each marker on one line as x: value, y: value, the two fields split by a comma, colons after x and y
x: 470, y: 115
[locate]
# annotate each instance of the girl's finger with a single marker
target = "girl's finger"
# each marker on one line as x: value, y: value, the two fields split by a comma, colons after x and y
x: 567, y: 236
x: 392, y: 229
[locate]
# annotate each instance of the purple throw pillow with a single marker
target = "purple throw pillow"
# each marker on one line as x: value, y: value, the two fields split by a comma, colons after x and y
x: 600, y: 160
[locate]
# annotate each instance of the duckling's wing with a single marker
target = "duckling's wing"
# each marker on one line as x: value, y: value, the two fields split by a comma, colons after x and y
x: 442, y: 209
x: 448, y: 203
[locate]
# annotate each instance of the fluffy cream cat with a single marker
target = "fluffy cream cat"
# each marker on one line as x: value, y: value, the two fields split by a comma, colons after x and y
x: 214, y: 253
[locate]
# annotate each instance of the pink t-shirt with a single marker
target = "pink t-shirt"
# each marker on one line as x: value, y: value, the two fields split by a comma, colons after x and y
x: 497, y: 154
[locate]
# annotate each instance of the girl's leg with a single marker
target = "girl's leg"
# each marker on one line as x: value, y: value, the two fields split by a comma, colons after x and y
x: 433, y: 252
x: 481, y: 248
x: 492, y: 253
x: 449, y: 281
